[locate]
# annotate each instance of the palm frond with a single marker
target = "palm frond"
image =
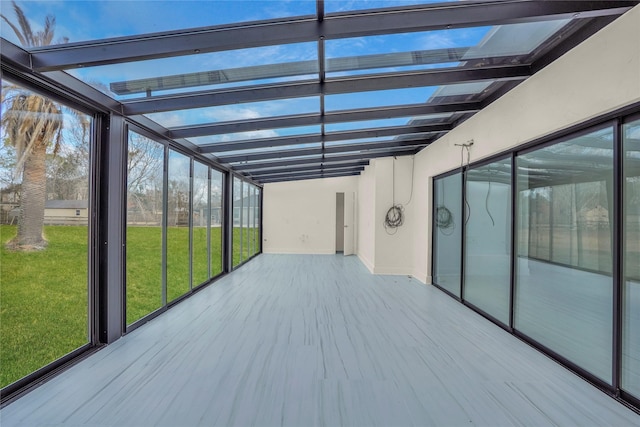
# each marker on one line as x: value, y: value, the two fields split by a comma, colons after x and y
x: 15, y: 29
x: 24, y: 25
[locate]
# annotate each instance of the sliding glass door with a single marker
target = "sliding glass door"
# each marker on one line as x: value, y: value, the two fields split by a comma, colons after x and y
x: 487, y: 262
x: 631, y: 256
x: 447, y: 233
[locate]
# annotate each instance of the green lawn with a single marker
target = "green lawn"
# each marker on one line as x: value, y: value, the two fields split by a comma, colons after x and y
x: 43, y: 301
x: 44, y: 295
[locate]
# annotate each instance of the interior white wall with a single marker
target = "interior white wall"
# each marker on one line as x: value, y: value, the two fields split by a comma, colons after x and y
x: 393, y: 184
x: 299, y: 217
x: 601, y: 74
x: 366, y: 247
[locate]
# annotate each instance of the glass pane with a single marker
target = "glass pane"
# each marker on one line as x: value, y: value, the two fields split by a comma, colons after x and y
x: 178, y: 279
x: 203, y: 71
x: 564, y: 290
x: 144, y: 226
x: 487, y: 271
x: 256, y: 134
x: 92, y: 20
x: 199, y: 218
x: 44, y: 217
x: 333, y: 6
x: 216, y: 222
x: 237, y: 221
x: 631, y: 251
x: 462, y: 47
x: 378, y: 98
x: 256, y: 216
x: 246, y: 209
x: 246, y: 111
x: 447, y: 233
x: 400, y: 52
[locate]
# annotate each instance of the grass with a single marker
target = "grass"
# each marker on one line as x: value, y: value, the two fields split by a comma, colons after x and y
x: 44, y: 295
x: 43, y: 301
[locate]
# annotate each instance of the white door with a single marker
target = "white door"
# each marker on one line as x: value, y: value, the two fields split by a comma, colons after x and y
x: 349, y: 222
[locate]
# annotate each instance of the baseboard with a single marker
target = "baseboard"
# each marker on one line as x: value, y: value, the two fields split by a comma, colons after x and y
x: 366, y: 263
x: 276, y: 251
x: 393, y: 271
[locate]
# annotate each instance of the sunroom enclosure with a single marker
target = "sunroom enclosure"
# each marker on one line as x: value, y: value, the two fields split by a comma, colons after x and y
x: 171, y: 141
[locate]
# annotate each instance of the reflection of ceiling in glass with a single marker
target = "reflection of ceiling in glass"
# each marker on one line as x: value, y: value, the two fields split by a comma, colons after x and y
x: 253, y: 76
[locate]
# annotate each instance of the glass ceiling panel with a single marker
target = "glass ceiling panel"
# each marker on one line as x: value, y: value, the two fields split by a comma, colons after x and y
x: 283, y: 148
x: 246, y: 111
x: 395, y: 97
x: 334, y: 6
x: 256, y: 134
x: 217, y: 70
x: 412, y: 136
x: 259, y: 162
x: 435, y: 49
x: 400, y: 121
x: 91, y: 20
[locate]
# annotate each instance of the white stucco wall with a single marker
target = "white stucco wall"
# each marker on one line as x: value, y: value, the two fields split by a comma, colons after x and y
x: 366, y: 216
x: 300, y: 216
x: 393, y: 248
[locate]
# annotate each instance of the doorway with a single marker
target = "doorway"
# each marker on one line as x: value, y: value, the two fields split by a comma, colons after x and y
x: 339, y: 223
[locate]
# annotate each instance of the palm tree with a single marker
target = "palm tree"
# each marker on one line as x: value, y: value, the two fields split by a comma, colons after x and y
x: 33, y: 125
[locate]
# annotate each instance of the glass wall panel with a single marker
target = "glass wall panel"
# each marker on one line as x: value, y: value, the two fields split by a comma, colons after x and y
x: 256, y: 217
x: 44, y: 217
x: 199, y: 219
x: 447, y: 233
x: 487, y: 270
x: 215, y: 234
x: 145, y: 184
x: 237, y: 221
x: 631, y: 254
x: 564, y: 289
x: 178, y: 212
x: 246, y: 208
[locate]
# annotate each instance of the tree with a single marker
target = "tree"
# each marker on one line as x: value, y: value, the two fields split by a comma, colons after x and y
x: 33, y: 124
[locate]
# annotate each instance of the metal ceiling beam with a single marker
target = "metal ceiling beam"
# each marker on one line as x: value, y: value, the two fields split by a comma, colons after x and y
x: 310, y: 176
x: 245, y: 125
x: 320, y: 166
x: 343, y: 116
x: 326, y: 159
x: 268, y: 167
x: 311, y: 172
x: 333, y: 117
x: 346, y: 148
x: 335, y: 86
x: 424, y: 78
x: 218, y: 97
x: 305, y: 29
x: 220, y: 147
x: 248, y: 144
x: 388, y: 131
x: 238, y: 158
